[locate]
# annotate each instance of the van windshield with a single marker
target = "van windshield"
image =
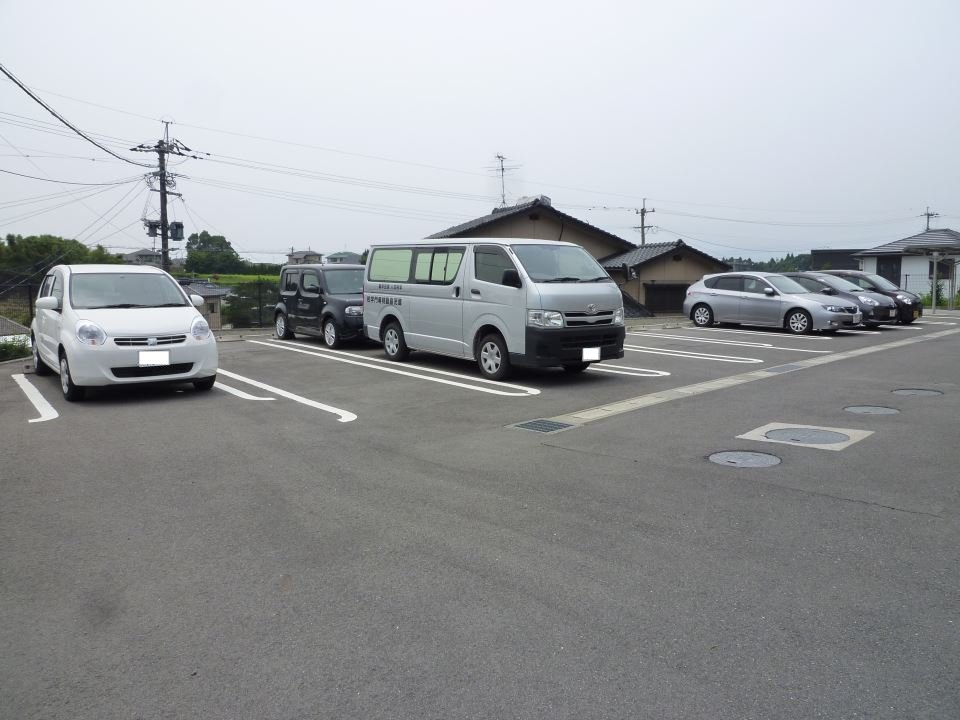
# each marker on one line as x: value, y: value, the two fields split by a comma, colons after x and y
x: 124, y: 290
x: 344, y: 282
x: 559, y: 264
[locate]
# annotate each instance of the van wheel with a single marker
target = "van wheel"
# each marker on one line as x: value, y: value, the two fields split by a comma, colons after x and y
x: 575, y: 367
x: 394, y: 345
x: 71, y: 392
x: 331, y: 336
x: 39, y: 366
x: 280, y: 327
x: 493, y: 360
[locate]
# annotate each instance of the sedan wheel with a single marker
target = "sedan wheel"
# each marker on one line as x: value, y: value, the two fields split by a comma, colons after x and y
x: 798, y: 322
x: 702, y: 316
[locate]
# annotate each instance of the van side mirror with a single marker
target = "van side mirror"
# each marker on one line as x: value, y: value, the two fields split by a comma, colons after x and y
x: 511, y: 278
x: 49, y: 302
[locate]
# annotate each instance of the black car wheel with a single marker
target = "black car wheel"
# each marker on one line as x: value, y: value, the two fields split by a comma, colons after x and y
x: 280, y: 327
x: 331, y: 335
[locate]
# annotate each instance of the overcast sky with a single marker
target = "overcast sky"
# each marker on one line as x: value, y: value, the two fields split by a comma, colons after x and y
x: 333, y: 125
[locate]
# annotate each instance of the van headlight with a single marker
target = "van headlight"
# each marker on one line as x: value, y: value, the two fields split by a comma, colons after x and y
x: 544, y: 318
x: 354, y: 310
x: 200, y: 329
x: 618, y: 316
x: 867, y: 301
x: 89, y: 333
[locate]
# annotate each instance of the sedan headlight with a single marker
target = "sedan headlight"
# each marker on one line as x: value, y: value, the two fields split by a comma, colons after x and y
x: 867, y: 301
x: 544, y: 318
x: 200, y: 329
x: 905, y: 300
x: 89, y: 333
x: 618, y: 316
x: 833, y: 308
x: 354, y: 310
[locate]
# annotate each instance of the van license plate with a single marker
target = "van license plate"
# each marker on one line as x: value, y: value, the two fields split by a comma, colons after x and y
x: 591, y: 354
x: 150, y: 358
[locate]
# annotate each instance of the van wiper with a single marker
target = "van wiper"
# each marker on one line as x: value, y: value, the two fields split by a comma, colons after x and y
x: 561, y: 279
x: 596, y: 279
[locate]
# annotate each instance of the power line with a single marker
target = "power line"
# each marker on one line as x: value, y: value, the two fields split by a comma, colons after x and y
x: 66, y: 182
x: 66, y: 122
x: 126, y: 195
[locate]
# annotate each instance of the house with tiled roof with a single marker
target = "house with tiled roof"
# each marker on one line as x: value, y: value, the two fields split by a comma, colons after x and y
x: 657, y: 275
x: 908, y: 263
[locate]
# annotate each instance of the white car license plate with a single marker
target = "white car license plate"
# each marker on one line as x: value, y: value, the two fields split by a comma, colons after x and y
x: 149, y: 358
x: 591, y: 354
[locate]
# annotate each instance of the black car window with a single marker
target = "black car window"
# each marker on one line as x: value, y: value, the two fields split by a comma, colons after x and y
x: 729, y: 282
x: 310, y: 282
x: 290, y: 281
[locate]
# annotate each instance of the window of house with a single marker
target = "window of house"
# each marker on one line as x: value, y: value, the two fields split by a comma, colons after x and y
x: 212, y: 308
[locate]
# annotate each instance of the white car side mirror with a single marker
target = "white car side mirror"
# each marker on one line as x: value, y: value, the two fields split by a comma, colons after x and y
x: 197, y: 300
x: 48, y: 303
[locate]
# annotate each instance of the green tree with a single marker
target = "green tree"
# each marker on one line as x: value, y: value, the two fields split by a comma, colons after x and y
x: 209, y: 254
x: 35, y: 254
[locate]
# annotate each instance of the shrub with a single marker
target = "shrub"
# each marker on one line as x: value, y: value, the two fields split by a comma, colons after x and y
x: 12, y: 348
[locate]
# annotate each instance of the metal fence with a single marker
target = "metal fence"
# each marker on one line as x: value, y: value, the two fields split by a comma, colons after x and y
x: 922, y: 285
x: 16, y: 308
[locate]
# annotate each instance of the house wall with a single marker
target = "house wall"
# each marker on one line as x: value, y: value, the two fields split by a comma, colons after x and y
x: 915, y: 272
x: 547, y: 227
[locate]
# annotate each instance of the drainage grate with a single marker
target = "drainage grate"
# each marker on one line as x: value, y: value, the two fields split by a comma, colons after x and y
x: 736, y: 458
x: 919, y: 392
x: 806, y: 436
x: 543, y: 426
x: 871, y: 410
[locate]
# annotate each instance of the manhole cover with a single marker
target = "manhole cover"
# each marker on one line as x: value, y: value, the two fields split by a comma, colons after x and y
x: 921, y: 392
x: 543, y: 426
x: 806, y: 436
x: 734, y: 458
x: 871, y: 410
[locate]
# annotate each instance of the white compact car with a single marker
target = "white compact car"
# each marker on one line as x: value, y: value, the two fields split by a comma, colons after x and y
x: 119, y: 324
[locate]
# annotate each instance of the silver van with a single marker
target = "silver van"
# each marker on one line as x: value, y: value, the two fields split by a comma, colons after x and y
x: 500, y: 301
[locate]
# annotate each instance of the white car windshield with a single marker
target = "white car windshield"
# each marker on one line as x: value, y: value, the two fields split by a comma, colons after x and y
x: 124, y: 290
x: 560, y: 264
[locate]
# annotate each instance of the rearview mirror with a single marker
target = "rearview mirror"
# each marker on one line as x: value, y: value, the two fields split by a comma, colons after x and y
x: 48, y: 303
x: 511, y: 278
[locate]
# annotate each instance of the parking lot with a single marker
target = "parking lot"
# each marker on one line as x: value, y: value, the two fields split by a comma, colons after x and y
x: 328, y: 534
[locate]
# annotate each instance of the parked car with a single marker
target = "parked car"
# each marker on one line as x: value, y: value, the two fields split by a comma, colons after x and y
x: 759, y: 298
x: 909, y: 304
x: 875, y: 308
x: 321, y: 300
x: 120, y: 324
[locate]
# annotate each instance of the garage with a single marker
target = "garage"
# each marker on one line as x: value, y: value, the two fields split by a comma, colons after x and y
x: 665, y: 297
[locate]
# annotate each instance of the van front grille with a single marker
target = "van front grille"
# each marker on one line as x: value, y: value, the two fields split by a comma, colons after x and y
x: 582, y: 319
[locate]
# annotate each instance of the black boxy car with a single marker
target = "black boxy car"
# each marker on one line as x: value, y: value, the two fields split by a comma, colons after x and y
x: 909, y: 305
x: 322, y: 300
x: 875, y: 307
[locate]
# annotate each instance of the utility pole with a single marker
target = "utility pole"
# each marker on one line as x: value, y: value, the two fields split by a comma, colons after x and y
x: 929, y: 215
x: 163, y: 148
x: 642, y: 212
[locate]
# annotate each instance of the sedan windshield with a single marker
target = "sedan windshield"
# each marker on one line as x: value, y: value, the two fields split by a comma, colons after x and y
x: 882, y: 283
x: 786, y: 285
x: 344, y: 282
x: 560, y: 264
x: 124, y: 290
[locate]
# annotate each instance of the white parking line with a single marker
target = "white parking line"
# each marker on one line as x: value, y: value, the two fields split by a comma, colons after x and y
x: 238, y: 393
x: 740, y: 343
x: 344, y: 357
x: 344, y: 415
x: 691, y: 355
x: 39, y: 402
x: 628, y: 370
x: 766, y: 333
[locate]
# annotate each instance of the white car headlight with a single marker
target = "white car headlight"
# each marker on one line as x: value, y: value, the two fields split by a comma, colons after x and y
x: 867, y: 301
x: 354, y: 310
x: 89, y: 333
x: 618, y: 316
x: 833, y: 308
x: 544, y: 318
x: 200, y: 329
